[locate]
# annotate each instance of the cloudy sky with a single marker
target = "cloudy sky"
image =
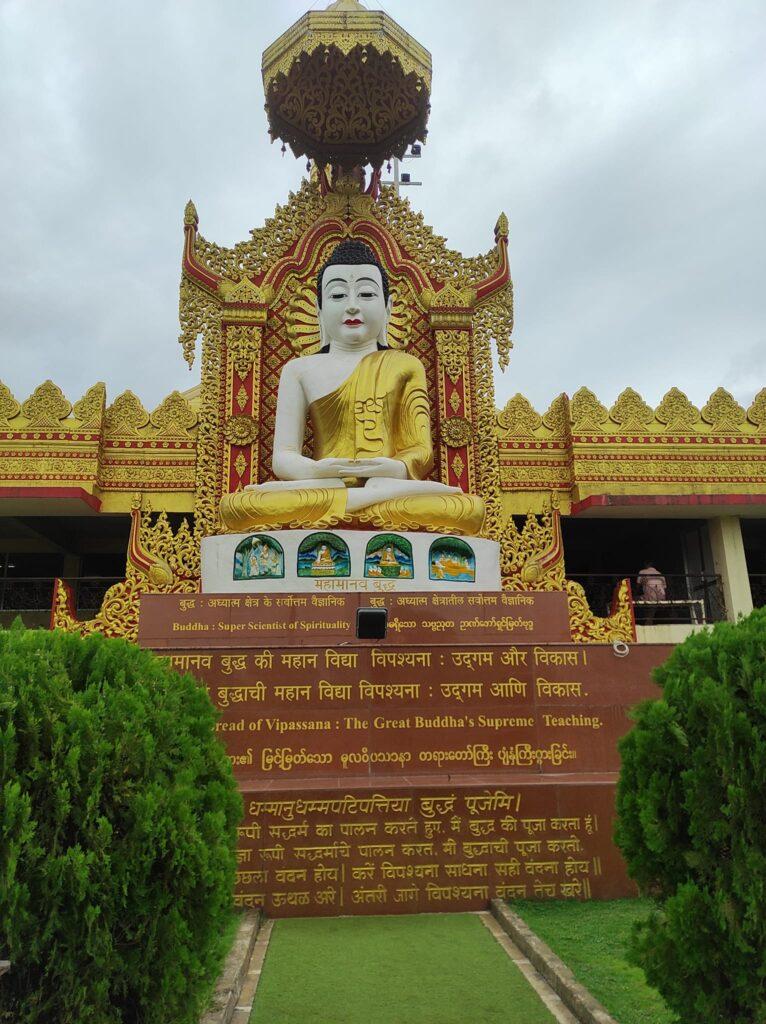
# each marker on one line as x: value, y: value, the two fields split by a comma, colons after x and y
x: 623, y: 138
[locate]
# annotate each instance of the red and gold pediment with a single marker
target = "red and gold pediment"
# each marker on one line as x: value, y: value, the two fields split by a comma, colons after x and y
x: 254, y: 307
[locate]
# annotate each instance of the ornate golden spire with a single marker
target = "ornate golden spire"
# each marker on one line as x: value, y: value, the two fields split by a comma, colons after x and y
x: 347, y: 86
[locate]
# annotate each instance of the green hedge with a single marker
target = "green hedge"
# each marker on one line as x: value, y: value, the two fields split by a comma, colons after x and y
x: 692, y: 825
x: 118, y: 815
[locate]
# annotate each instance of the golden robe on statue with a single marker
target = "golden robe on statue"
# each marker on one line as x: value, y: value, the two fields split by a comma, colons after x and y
x: 380, y: 410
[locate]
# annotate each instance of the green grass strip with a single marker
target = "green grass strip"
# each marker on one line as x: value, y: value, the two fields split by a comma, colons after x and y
x: 591, y: 939
x: 420, y: 969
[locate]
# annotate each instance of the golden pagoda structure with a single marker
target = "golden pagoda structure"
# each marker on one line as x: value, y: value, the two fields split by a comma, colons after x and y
x: 349, y: 88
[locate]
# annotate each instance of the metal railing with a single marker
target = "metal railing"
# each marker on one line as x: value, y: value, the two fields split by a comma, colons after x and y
x: 35, y: 593
x: 689, y: 598
x: 758, y: 589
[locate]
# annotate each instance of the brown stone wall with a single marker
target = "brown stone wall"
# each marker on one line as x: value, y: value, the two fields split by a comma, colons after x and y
x: 432, y: 770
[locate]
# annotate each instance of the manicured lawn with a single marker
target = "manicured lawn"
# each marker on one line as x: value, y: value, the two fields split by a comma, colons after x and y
x: 424, y: 969
x: 591, y: 939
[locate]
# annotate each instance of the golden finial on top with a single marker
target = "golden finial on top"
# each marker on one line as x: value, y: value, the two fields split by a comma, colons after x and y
x: 190, y: 214
x: 345, y: 5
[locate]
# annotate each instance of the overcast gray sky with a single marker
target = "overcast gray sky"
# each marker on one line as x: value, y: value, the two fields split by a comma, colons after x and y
x: 625, y: 139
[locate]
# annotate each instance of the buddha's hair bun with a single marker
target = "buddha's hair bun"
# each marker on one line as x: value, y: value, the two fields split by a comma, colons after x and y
x: 352, y: 252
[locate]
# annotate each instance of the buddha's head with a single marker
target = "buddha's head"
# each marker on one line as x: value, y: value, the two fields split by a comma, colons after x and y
x: 353, y: 300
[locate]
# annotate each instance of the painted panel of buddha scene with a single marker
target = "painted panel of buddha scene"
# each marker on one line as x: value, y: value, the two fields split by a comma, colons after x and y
x: 389, y: 556
x: 323, y: 554
x: 258, y: 558
x: 452, y: 560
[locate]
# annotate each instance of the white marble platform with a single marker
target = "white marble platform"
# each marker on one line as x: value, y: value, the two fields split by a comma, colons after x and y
x: 350, y: 561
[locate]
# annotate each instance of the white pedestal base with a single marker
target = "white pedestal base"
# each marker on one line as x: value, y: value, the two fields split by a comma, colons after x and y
x: 351, y: 561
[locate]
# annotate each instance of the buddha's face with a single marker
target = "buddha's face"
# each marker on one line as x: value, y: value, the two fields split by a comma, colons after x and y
x: 353, y: 310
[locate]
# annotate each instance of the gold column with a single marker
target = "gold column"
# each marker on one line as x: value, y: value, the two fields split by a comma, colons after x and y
x: 244, y: 315
x: 450, y: 316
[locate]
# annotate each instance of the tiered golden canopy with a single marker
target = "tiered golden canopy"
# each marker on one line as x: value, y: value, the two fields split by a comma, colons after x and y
x: 347, y: 86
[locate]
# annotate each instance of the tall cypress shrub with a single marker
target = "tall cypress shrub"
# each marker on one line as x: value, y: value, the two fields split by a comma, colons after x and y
x: 118, y: 816
x: 692, y: 825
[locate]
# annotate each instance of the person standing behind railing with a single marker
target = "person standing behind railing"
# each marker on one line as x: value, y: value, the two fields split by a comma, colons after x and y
x: 653, y: 588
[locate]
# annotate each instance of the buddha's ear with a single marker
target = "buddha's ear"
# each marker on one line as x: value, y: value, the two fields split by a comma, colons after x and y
x: 383, y: 336
x: 322, y: 340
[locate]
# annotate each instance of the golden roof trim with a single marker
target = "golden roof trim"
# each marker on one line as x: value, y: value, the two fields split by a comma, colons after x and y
x: 345, y: 29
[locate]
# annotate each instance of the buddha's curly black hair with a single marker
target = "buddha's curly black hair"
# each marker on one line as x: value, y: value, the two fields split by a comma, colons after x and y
x: 354, y: 253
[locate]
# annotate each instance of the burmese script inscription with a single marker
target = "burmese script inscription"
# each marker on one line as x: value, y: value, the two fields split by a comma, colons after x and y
x: 253, y: 620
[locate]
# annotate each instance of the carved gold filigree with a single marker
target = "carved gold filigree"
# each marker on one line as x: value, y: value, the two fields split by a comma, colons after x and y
x: 305, y: 207
x: 244, y: 345
x: 242, y: 292
x: 631, y: 412
x: 174, y: 417
x: 533, y: 558
x: 158, y: 562
x: 240, y: 430
x: 677, y: 412
x: 450, y: 307
x: 90, y: 408
x: 198, y: 312
x: 46, y: 406
x: 414, y: 235
x: 757, y: 411
x: 588, y: 414
x: 209, y: 452
x: 557, y: 418
x: 147, y: 562
x: 723, y: 412
x: 518, y: 418
x: 348, y: 87
x: 268, y: 243
x: 457, y: 466
x: 453, y: 347
x: 456, y: 431
x: 9, y: 407
x: 493, y: 320
x: 190, y: 214
x: 200, y: 316
x: 125, y: 416
x: 346, y: 25
x: 302, y: 319
x: 486, y: 458
x: 345, y: 199
x: 400, y: 321
x: 585, y: 627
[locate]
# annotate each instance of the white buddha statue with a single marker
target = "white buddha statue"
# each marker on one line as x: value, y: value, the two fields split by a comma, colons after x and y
x: 369, y: 411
